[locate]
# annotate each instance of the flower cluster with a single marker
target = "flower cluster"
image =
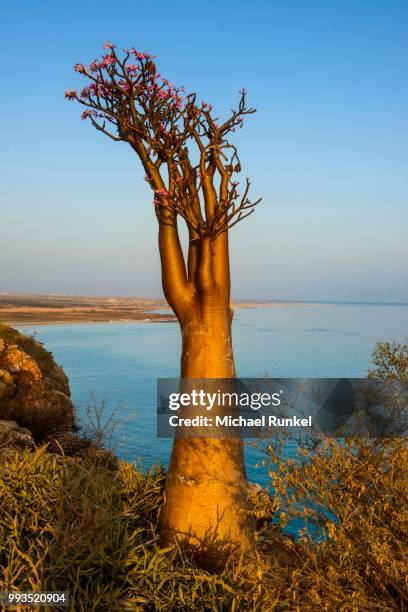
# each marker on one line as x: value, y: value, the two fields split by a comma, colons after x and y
x: 139, y: 79
x: 126, y: 99
x: 159, y: 193
x: 108, y: 60
x: 90, y: 113
x: 96, y: 89
x: 132, y: 69
x: 70, y: 94
x: 139, y: 56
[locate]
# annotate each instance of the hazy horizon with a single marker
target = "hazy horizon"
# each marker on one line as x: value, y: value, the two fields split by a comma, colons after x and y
x: 327, y: 149
x: 234, y: 298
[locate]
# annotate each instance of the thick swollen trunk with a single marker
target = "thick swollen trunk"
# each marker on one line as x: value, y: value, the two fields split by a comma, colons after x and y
x: 206, y: 496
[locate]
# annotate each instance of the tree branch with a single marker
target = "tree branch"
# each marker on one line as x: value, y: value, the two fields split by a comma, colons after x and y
x: 168, y: 130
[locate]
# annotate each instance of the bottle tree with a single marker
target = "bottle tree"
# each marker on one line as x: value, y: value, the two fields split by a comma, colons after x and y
x: 190, y: 165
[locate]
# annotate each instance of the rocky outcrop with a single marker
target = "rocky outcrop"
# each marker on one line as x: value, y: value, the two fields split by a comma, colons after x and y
x: 34, y: 390
x: 13, y: 439
x: 71, y: 445
x: 35, y: 404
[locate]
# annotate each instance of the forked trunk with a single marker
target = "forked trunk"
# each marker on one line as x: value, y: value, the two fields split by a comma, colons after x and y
x: 191, y: 168
x: 206, y: 495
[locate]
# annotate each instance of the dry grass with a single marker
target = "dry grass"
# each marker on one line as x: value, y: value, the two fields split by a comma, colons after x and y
x: 352, y: 498
x: 77, y: 526
x: 80, y: 526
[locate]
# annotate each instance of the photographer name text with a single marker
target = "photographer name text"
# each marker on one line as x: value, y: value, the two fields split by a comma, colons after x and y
x: 240, y: 421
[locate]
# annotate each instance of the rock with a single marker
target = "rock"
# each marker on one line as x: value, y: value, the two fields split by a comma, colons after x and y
x: 254, y: 488
x: 35, y: 404
x: 70, y: 445
x: 6, y: 384
x: 67, y: 443
x: 13, y: 437
x: 34, y: 390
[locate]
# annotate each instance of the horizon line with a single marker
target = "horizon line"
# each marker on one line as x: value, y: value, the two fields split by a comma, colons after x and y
x: 233, y: 299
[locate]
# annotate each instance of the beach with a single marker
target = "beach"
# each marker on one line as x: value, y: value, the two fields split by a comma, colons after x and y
x: 43, y: 309
x: 38, y: 309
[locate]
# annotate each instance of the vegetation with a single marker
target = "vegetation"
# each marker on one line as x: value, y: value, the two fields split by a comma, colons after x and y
x: 35, y: 391
x: 351, y: 497
x: 81, y: 526
x: 391, y: 361
x: 192, y: 166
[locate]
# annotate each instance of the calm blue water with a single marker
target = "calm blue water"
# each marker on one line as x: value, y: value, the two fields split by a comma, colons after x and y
x: 119, y: 362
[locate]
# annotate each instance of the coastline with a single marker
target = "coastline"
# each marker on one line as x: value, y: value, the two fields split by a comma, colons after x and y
x: 37, y: 309
x: 51, y: 309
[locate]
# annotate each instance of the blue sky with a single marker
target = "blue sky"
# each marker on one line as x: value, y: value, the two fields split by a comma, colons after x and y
x: 327, y: 149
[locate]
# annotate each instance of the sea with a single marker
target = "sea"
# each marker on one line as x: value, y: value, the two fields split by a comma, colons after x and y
x: 116, y: 364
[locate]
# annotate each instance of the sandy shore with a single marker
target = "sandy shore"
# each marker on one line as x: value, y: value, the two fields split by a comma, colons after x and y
x: 43, y: 309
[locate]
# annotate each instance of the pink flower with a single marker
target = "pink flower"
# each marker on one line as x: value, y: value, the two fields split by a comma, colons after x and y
x: 162, y: 192
x: 80, y: 68
x: 93, y: 66
x: 85, y: 92
x: 70, y: 94
x: 87, y: 113
x: 132, y: 68
x: 147, y: 178
x: 90, y: 113
x: 143, y: 56
x: 108, y: 60
x: 108, y: 45
x: 177, y: 102
x: 163, y: 126
x: 97, y: 89
x: 124, y: 84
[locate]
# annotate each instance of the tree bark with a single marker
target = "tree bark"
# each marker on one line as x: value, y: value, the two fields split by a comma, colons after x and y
x: 206, y: 494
